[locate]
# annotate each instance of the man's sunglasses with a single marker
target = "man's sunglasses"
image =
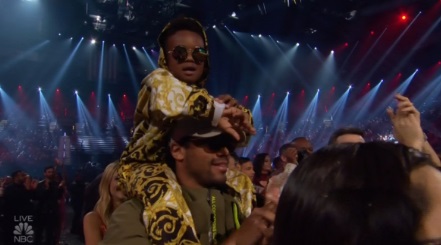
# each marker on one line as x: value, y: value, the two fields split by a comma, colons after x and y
x: 180, y: 54
x: 215, y: 144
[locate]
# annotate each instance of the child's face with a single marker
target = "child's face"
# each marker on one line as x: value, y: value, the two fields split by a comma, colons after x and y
x: 188, y: 70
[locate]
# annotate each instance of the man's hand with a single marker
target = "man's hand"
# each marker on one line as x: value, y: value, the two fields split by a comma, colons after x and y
x: 258, y: 228
x: 407, y: 123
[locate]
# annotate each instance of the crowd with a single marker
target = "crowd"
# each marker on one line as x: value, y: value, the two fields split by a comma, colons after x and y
x: 180, y: 181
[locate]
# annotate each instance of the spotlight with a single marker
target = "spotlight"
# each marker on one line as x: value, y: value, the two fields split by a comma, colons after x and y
x: 287, y: 92
x: 134, y: 48
x: 39, y: 89
x: 258, y: 95
x: 76, y: 92
x: 214, y: 26
x: 71, y: 38
x: 372, y: 33
x: 277, y: 41
x: 59, y: 34
x: 82, y: 38
x: 102, y: 42
x: 403, y: 17
x: 58, y: 90
x: 93, y: 41
x: 346, y: 44
x: 113, y: 45
x: 297, y: 44
x: 350, y: 86
x: 252, y: 35
x: 234, y: 31
x: 315, y: 48
x: 233, y: 14
x: 124, y: 44
x: 381, y: 80
x: 318, y: 90
x: 260, y: 35
x: 332, y: 51
x: 108, y: 95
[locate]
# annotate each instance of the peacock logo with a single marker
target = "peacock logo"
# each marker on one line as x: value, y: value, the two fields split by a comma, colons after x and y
x: 23, y: 229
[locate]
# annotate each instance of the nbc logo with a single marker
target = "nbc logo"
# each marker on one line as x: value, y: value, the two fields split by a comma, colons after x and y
x: 23, y: 233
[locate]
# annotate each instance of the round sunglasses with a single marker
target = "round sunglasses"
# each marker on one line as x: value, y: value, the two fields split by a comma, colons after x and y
x: 180, y: 54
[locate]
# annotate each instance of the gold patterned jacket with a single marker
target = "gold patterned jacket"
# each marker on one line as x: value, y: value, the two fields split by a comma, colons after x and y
x: 143, y: 171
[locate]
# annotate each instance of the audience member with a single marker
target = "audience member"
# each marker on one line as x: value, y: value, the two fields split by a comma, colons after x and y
x: 110, y: 197
x: 304, y: 147
x: 18, y: 206
x: 347, y: 135
x: 198, y: 157
x: 48, y: 194
x: 262, y: 169
x: 246, y: 167
x: 371, y: 193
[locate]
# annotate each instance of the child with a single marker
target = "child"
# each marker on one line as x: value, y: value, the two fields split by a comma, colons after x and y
x: 173, y: 91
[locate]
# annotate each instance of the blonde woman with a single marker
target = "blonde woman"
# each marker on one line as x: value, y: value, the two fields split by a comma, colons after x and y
x: 95, y: 222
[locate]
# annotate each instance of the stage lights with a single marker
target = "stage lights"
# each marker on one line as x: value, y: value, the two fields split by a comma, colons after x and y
x: 76, y: 92
x: 39, y: 89
x: 214, y: 26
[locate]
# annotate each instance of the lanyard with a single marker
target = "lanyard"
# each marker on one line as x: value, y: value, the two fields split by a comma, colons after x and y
x: 213, y: 218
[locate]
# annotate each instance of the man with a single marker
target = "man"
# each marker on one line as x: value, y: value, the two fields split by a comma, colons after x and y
x: 347, y: 135
x: 246, y: 167
x: 48, y: 193
x: 303, y: 146
x: 18, y: 205
x: 198, y: 158
x: 288, y: 156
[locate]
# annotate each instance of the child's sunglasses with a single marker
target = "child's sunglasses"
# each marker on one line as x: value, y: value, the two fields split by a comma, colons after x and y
x: 180, y: 54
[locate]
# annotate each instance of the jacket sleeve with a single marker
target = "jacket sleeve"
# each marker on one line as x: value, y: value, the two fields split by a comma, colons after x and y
x: 163, y: 97
x: 126, y: 225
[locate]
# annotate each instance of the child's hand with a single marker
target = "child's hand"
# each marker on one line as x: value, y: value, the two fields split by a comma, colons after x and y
x: 227, y: 99
x: 234, y: 119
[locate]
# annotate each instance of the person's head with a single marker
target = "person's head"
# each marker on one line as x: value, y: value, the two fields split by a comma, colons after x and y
x: 18, y: 177
x: 262, y: 164
x: 184, y: 50
x: 288, y: 153
x: 246, y: 167
x: 49, y: 173
x: 371, y: 193
x: 110, y: 193
x: 200, y: 153
x: 278, y: 164
x: 347, y: 135
x: 233, y: 161
x: 303, y: 146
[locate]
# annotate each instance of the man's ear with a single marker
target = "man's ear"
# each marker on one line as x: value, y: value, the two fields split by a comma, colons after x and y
x: 177, y: 151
